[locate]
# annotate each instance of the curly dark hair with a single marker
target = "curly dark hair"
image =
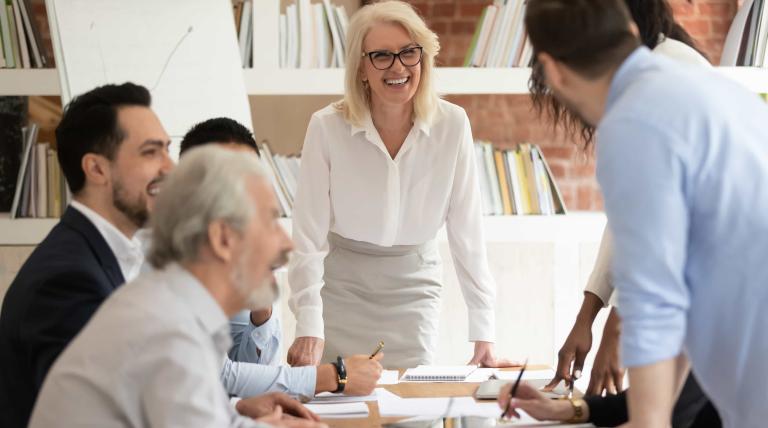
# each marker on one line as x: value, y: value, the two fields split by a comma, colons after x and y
x: 653, y: 17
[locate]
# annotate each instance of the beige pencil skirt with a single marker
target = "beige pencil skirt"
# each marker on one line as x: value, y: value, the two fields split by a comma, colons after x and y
x: 374, y: 293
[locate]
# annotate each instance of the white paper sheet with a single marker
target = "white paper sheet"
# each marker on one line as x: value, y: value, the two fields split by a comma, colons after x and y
x: 339, y: 410
x: 331, y: 398
x: 389, y: 377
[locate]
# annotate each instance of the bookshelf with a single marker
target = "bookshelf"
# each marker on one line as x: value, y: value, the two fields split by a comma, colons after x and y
x: 266, y: 79
x: 450, y: 81
x: 574, y: 227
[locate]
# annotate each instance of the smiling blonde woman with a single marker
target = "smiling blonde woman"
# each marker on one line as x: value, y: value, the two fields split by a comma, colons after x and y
x: 382, y: 171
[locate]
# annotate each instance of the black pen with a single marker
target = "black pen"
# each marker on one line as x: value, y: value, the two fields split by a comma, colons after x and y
x: 514, y: 388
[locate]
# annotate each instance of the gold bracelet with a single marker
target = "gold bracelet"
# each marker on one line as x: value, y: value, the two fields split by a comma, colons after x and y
x: 578, y: 410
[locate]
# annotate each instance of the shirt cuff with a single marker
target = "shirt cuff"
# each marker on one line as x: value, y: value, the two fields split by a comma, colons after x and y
x: 482, y: 325
x: 309, y: 322
x: 233, y: 402
x: 262, y: 335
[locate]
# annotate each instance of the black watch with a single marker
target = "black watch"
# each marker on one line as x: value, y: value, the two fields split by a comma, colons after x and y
x: 341, y: 374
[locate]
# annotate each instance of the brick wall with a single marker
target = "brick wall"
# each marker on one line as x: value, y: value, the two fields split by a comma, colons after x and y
x: 507, y: 119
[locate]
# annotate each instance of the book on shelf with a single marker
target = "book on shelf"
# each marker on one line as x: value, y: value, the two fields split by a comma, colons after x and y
x: 747, y: 41
x: 40, y: 186
x: 516, y: 181
x: 20, y: 41
x: 500, y: 39
x: 283, y: 174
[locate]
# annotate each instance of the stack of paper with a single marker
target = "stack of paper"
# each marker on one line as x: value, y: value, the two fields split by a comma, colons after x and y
x: 331, y: 398
x: 340, y: 410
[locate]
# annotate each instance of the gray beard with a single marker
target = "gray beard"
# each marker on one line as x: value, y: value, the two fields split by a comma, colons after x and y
x: 261, y: 297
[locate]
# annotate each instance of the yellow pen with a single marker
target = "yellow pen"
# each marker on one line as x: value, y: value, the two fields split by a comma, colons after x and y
x: 378, y: 348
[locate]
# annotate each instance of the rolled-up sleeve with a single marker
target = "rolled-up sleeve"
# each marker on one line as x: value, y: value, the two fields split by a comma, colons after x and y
x: 311, y: 223
x: 641, y: 170
x: 600, y: 283
x: 255, y: 344
x: 467, y: 242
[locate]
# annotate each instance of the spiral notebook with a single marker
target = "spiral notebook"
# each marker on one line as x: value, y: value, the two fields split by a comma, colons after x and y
x: 438, y: 374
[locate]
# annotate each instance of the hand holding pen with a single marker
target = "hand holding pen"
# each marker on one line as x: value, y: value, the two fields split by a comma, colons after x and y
x: 513, y: 392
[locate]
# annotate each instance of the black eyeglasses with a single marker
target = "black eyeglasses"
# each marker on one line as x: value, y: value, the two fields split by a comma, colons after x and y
x: 383, y: 60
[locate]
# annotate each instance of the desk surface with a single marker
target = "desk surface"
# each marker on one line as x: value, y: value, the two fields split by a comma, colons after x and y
x: 411, y: 390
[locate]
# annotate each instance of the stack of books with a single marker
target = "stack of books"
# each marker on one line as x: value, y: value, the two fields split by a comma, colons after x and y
x: 516, y: 181
x: 747, y: 41
x: 20, y: 42
x: 41, y: 190
x: 500, y: 39
x: 283, y: 173
x: 313, y: 35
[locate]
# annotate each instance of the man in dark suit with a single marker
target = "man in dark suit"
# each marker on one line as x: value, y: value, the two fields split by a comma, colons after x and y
x: 114, y: 154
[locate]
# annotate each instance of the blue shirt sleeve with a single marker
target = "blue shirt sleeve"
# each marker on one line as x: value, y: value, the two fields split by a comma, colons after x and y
x: 641, y: 170
x: 255, y: 344
x: 252, y: 366
x: 249, y: 379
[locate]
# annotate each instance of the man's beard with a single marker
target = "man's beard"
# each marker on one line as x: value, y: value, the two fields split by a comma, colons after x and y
x: 134, y: 210
x: 260, y: 297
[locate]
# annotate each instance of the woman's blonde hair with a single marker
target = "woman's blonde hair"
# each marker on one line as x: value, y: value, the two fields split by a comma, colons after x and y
x: 357, y: 98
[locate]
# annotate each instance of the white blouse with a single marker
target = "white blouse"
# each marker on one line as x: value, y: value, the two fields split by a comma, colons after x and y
x: 350, y: 185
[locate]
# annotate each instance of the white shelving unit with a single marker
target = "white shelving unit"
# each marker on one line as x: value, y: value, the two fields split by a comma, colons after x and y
x: 450, y: 80
x: 24, y: 231
x: 574, y: 227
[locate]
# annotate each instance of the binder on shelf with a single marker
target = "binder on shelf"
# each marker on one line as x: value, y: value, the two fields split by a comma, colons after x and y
x: 747, y: 41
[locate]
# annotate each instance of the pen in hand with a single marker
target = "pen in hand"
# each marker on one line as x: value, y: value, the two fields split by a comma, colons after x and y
x: 377, y: 350
x: 514, y: 389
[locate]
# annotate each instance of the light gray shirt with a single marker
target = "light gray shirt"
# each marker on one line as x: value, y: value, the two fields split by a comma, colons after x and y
x: 150, y: 357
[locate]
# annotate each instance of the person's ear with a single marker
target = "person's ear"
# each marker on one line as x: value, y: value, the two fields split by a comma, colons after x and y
x: 97, y: 169
x: 222, y: 239
x: 633, y: 28
x: 554, y: 77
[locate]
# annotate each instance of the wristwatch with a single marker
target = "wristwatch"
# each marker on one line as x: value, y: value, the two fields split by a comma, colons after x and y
x: 341, y: 374
x: 578, y: 410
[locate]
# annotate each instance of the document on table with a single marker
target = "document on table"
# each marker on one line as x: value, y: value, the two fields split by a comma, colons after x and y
x: 393, y: 405
x: 331, y: 398
x: 339, y: 410
x: 389, y: 377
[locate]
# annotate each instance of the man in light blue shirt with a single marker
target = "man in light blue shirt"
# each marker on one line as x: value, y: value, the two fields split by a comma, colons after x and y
x: 682, y: 159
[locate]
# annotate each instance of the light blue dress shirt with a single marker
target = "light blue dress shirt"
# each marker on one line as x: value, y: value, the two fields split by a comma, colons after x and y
x: 682, y: 159
x: 252, y: 366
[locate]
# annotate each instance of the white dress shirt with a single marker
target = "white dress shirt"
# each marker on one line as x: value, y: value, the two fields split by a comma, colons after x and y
x: 350, y: 185
x: 600, y: 283
x: 149, y: 357
x: 128, y: 252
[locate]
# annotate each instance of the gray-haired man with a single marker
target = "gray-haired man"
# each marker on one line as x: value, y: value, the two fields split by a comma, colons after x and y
x: 151, y: 354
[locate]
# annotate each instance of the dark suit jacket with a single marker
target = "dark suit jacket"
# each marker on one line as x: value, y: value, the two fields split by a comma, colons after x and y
x: 51, y: 299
